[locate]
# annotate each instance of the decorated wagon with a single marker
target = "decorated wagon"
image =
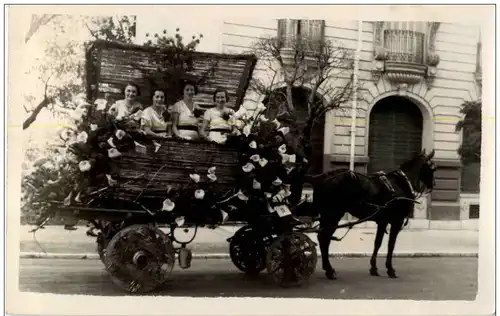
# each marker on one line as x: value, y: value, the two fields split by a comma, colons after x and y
x: 137, y: 192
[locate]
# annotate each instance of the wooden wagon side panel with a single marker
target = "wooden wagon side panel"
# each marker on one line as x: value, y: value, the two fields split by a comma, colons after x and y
x: 110, y: 66
x: 148, y: 175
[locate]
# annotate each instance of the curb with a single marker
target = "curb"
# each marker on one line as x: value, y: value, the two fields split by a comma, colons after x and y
x: 94, y: 256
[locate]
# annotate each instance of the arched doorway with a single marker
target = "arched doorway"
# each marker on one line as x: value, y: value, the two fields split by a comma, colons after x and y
x: 395, y: 133
x: 300, y: 95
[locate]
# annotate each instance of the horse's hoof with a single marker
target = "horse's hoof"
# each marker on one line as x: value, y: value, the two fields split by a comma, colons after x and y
x: 392, y: 274
x: 331, y: 275
x: 374, y: 272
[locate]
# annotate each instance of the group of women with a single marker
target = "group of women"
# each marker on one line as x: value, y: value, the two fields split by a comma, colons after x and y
x: 181, y: 121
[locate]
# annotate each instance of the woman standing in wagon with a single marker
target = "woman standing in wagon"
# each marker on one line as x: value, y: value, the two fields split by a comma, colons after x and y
x: 216, y: 119
x: 184, y: 122
x: 152, y: 121
x: 129, y: 104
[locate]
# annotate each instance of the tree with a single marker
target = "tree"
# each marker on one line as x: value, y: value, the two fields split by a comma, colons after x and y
x: 470, y: 126
x: 314, y: 65
x: 60, y: 68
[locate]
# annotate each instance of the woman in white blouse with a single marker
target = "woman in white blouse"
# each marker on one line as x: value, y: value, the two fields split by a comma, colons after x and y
x: 129, y: 105
x: 216, y: 119
x: 153, y: 121
x: 184, y: 122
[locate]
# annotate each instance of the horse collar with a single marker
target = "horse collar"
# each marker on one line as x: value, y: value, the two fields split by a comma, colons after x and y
x: 405, y: 177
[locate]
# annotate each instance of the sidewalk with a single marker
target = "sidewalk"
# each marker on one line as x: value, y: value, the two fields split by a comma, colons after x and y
x: 212, y: 243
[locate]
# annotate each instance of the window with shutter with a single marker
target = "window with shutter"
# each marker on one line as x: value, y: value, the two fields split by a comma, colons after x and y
x: 395, y: 133
x: 307, y: 31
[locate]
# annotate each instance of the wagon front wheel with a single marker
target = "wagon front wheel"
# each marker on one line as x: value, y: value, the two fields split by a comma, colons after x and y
x: 292, y: 259
x: 139, y: 258
x: 247, y: 250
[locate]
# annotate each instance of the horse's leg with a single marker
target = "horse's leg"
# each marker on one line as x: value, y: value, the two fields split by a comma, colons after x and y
x: 393, y: 235
x: 378, y: 242
x: 327, y: 229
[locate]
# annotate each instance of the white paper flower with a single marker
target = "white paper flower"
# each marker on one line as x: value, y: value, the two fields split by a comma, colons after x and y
x: 114, y: 153
x: 212, y: 177
x: 256, y: 185
x: 248, y: 167
x: 110, y: 142
x: 211, y: 170
x: 253, y: 144
x: 225, y: 216
x: 179, y: 220
x: 111, y: 181
x: 120, y: 134
x: 93, y: 127
x: 100, y: 104
x: 199, y: 194
x: 67, y: 200
x: 77, y: 198
x: 157, y: 146
x: 277, y: 182
x: 195, y: 177
x: 168, y: 205
x: 282, y: 149
x: 82, y: 137
x: 292, y: 158
x: 84, y: 165
x: 48, y: 165
x: 263, y: 162
x: 242, y: 196
x: 140, y: 148
x: 255, y: 158
x: 284, y: 130
x: 284, y: 158
x: 52, y: 181
x: 246, y: 130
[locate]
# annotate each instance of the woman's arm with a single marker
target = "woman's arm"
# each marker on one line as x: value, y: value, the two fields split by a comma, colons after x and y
x: 175, y: 122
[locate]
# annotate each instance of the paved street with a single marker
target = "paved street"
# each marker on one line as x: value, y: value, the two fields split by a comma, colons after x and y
x: 419, y: 279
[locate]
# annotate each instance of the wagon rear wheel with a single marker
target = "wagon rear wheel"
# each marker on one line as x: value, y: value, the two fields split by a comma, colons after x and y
x: 247, y: 250
x: 139, y: 258
x: 292, y: 259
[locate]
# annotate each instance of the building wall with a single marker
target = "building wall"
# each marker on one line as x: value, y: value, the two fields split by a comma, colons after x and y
x: 438, y: 101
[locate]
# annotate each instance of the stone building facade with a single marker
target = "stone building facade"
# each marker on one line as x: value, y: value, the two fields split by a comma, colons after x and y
x: 414, y: 76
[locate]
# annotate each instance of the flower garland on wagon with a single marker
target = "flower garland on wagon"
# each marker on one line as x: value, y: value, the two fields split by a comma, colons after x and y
x: 268, y: 165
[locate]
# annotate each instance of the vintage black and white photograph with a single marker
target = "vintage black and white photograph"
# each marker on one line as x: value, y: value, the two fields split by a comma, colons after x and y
x: 188, y: 152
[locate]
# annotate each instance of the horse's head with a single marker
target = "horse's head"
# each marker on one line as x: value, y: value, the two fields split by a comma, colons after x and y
x: 421, y: 171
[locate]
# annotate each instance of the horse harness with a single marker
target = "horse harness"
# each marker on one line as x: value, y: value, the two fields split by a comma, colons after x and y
x: 382, y: 177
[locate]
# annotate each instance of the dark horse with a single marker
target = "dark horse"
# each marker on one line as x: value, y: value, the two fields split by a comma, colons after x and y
x: 343, y: 191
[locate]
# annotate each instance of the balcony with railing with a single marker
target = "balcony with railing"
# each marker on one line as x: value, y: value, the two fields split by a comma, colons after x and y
x: 404, y: 51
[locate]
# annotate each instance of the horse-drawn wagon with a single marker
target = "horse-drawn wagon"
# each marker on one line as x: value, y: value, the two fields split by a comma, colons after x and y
x: 127, y: 186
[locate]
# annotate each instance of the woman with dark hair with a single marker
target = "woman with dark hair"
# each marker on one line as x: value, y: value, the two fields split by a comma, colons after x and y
x: 153, y: 121
x: 184, y: 122
x: 216, y: 119
x: 129, y: 104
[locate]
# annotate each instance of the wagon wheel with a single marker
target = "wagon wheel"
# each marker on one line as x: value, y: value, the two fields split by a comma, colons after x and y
x: 140, y: 258
x: 247, y: 250
x: 295, y: 266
